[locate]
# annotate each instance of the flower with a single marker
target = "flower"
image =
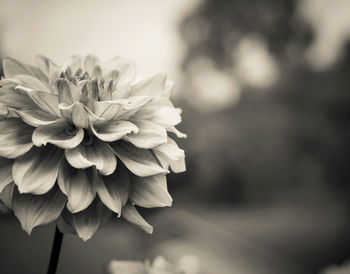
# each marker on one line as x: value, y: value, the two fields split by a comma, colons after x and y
x: 188, y: 264
x: 83, y: 141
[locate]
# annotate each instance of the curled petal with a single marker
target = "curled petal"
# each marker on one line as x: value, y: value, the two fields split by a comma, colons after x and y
x: 130, y: 214
x: 76, y: 113
x: 6, y: 195
x: 178, y: 133
x: 97, y: 154
x: 36, y: 171
x: 56, y: 133
x: 150, y: 191
x: 171, y: 154
x: 34, y: 210
x: 5, y: 172
x: 77, y: 184
x: 88, y: 221
x: 113, y: 190
x: 113, y: 130
x: 15, y: 138
x: 141, y: 162
x: 149, y: 135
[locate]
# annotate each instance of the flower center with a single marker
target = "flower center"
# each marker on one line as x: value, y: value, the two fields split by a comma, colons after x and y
x: 71, y: 130
x: 88, y: 139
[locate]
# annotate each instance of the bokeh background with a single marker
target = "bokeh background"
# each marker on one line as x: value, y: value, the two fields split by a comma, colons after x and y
x: 265, y: 90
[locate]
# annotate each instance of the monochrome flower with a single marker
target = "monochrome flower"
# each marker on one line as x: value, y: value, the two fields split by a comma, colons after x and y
x: 83, y: 141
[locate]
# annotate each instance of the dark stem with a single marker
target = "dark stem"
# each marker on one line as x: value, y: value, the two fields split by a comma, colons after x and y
x: 55, y: 252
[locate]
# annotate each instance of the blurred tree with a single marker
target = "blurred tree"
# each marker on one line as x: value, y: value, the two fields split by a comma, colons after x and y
x: 286, y: 142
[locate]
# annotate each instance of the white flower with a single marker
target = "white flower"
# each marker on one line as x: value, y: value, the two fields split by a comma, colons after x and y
x: 81, y: 141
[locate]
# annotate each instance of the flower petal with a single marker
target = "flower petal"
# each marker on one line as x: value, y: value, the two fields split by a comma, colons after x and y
x: 5, y: 172
x: 14, y: 98
x: 159, y: 111
x: 150, y: 135
x: 31, y: 82
x: 151, y: 86
x: 12, y: 67
x: 6, y: 196
x: 130, y: 214
x: 141, y: 162
x: 125, y: 67
x: 34, y: 210
x: 76, y: 113
x: 171, y: 154
x: 150, y: 191
x: 178, y: 133
x: 55, y: 133
x: 45, y: 100
x: 35, y: 117
x: 109, y: 109
x: 98, y: 154
x: 90, y: 62
x: 15, y: 138
x: 77, y: 184
x: 113, y: 190
x: 36, y: 171
x: 113, y: 130
x: 88, y: 221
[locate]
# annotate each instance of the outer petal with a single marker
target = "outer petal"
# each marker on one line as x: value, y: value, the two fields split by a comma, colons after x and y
x: 77, y: 184
x: 141, y: 162
x: 99, y: 154
x: 109, y: 109
x: 12, y: 67
x: 150, y: 135
x: 113, y: 190
x: 171, y: 154
x: 88, y: 221
x: 111, y: 131
x: 35, y: 117
x: 11, y: 97
x: 159, y: 111
x: 31, y: 82
x: 36, y: 171
x: 46, y: 101
x: 55, y: 133
x: 6, y: 196
x: 150, y: 191
x: 130, y: 214
x: 15, y: 138
x: 152, y: 86
x: 33, y: 210
x: 5, y: 172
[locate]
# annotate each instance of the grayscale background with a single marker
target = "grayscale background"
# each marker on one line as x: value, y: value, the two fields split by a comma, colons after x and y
x: 265, y: 90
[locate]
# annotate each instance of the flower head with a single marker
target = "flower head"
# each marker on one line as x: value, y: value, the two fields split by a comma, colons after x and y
x: 81, y: 141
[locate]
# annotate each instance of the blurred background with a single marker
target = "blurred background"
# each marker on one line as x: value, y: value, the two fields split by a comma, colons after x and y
x: 265, y: 90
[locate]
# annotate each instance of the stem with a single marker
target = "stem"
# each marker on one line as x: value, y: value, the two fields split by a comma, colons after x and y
x: 55, y: 252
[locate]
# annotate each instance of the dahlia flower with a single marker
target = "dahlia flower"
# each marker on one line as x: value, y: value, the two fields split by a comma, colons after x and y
x: 85, y: 140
